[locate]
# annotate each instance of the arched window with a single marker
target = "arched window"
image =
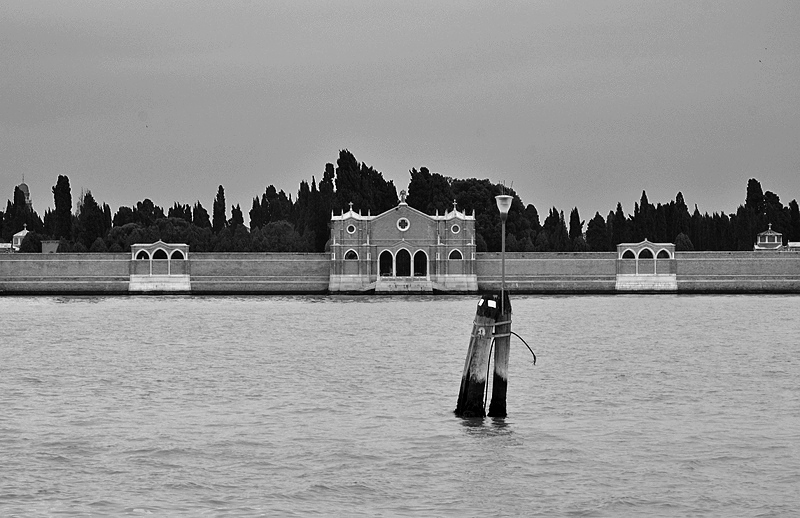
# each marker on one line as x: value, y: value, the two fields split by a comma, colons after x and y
x: 646, y: 253
x: 403, y: 260
x: 420, y: 264
x: 455, y: 255
x: 385, y: 264
x: 160, y: 254
x: 178, y: 255
x: 142, y: 255
x: 628, y: 255
x: 663, y: 254
x: 351, y: 255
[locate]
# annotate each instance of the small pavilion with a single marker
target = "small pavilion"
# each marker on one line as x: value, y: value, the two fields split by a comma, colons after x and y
x: 768, y: 240
x: 159, y: 266
x: 16, y: 241
x: 646, y: 266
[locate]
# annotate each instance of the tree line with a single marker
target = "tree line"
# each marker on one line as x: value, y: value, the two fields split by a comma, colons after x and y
x: 280, y: 223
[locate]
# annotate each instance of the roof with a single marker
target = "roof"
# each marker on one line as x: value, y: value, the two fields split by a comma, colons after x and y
x: 453, y: 214
x: 769, y: 232
x: 22, y: 233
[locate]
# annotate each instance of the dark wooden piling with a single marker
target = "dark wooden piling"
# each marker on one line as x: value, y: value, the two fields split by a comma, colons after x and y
x: 502, y: 348
x: 473, y: 380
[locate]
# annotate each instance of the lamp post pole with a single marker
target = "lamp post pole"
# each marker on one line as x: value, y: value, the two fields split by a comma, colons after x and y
x: 503, y: 205
x: 502, y: 329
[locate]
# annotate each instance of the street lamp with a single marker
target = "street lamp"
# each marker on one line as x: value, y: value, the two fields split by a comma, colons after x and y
x: 503, y: 205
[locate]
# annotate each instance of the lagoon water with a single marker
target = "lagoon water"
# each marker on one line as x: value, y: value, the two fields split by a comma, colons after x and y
x: 342, y: 406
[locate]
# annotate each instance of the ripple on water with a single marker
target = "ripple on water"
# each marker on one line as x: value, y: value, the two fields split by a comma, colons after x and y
x: 297, y: 406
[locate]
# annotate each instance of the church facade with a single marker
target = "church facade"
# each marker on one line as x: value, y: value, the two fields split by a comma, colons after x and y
x: 403, y: 250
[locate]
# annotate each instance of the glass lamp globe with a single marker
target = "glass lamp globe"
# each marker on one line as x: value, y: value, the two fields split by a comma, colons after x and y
x: 503, y: 204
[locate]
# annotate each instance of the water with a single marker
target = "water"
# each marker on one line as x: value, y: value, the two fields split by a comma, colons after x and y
x: 342, y: 406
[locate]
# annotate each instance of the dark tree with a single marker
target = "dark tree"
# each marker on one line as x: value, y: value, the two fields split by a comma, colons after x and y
x: 278, y: 206
x: 256, y: 219
x: 91, y: 222
x: 575, y: 224
x: 146, y: 213
x: 620, y: 227
x: 683, y: 243
x: 363, y: 186
x: 429, y: 192
x: 219, y: 220
x: 200, y: 216
x: 681, y: 219
x: 755, y: 196
x: 180, y: 211
x: 596, y: 234
x: 124, y: 216
x: 794, y: 221
x: 62, y: 198
x: 237, y: 218
x: 98, y: 246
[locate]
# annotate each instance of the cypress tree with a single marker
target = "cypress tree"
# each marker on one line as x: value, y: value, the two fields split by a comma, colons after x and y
x: 219, y: 221
x: 62, y: 199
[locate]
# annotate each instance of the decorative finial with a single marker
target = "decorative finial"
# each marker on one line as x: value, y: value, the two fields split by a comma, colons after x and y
x: 455, y: 205
x: 351, y: 206
x: 403, y: 196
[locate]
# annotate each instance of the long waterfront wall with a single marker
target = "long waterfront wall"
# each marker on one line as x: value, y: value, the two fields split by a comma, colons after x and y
x: 738, y: 272
x: 64, y: 273
x: 260, y: 273
x: 208, y: 273
x: 548, y: 272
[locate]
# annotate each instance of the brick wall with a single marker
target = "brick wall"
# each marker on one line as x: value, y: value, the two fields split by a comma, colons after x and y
x: 697, y: 272
x: 738, y: 272
x: 64, y: 273
x: 259, y: 272
x: 529, y: 272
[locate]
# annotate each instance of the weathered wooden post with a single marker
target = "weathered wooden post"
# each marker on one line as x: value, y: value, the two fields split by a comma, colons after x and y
x: 473, y: 380
x: 502, y: 348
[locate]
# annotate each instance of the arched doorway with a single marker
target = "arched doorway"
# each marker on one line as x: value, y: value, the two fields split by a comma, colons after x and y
x: 646, y: 267
x: 420, y: 264
x: 385, y: 264
x: 403, y: 261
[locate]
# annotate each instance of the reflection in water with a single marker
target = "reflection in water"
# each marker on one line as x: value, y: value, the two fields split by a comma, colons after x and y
x: 486, y: 427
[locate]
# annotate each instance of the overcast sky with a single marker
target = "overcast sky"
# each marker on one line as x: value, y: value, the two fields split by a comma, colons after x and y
x: 577, y: 103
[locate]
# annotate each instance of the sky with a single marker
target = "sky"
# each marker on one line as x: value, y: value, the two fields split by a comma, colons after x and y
x: 572, y: 103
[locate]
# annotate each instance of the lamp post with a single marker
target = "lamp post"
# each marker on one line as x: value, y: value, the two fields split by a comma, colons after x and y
x: 503, y: 205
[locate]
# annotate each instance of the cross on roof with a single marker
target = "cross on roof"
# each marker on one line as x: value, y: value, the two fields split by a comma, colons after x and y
x: 454, y: 204
x: 351, y: 206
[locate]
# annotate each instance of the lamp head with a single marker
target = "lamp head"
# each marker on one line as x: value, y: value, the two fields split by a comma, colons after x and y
x: 503, y: 205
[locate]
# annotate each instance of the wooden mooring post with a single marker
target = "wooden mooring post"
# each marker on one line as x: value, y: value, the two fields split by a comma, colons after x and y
x: 502, y: 349
x: 473, y: 381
